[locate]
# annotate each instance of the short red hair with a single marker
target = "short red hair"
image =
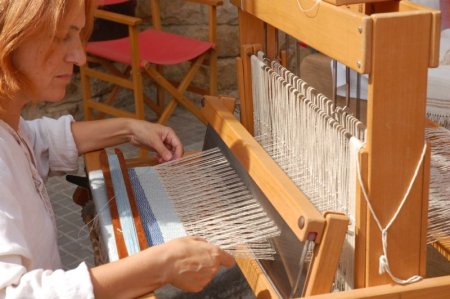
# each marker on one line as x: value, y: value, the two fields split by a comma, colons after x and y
x: 20, y: 19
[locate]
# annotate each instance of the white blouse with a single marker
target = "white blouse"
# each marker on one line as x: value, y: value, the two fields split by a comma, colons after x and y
x: 30, y: 265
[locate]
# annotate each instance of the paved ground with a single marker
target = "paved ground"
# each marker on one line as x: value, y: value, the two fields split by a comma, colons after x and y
x: 73, y: 237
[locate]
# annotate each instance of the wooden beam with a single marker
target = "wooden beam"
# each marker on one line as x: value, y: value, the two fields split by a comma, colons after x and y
x: 347, y: 41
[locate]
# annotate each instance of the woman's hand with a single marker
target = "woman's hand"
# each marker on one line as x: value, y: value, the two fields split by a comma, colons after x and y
x: 98, y: 134
x: 160, y: 138
x: 187, y: 263
x: 192, y: 263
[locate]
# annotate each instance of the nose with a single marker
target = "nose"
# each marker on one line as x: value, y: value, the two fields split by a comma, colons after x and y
x: 76, y: 54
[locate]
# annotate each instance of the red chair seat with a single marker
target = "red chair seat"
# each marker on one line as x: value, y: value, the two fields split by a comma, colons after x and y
x: 170, y: 49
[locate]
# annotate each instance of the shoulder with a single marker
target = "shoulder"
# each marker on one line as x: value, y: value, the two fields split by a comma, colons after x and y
x: 45, y: 125
x: 8, y: 145
x: 13, y: 163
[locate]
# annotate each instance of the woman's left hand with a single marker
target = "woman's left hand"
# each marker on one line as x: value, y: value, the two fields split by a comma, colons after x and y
x: 160, y: 138
x: 97, y: 134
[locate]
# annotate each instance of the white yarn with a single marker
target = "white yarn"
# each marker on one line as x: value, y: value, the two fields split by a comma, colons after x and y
x: 438, y: 208
x: 212, y: 202
x: 383, y: 260
x: 309, y: 138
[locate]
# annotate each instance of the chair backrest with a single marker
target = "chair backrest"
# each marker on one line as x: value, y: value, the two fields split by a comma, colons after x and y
x: 106, y: 29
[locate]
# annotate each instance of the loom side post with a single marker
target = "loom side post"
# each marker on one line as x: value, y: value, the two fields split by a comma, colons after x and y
x: 245, y: 73
x: 395, y: 140
x: 326, y: 256
x: 252, y: 35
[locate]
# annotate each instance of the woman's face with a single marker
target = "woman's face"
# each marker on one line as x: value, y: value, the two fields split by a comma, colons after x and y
x: 48, y: 61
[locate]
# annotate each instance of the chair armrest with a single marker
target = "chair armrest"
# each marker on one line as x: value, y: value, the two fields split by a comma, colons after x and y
x: 208, y: 2
x: 116, y: 17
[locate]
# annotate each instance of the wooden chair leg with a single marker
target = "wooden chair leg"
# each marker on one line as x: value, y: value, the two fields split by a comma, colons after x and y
x: 177, y: 93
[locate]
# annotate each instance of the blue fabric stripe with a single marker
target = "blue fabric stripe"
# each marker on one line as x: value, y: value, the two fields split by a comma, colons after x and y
x: 151, y: 227
x: 165, y: 214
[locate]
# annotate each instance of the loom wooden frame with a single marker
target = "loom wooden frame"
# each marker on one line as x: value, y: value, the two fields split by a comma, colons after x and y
x: 373, y: 38
x: 290, y: 202
x: 327, y: 230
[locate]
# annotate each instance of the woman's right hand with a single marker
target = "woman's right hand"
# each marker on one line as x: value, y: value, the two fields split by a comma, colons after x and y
x: 192, y: 262
x: 187, y: 263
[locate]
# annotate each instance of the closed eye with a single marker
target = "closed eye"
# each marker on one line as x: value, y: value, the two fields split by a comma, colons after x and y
x: 73, y: 31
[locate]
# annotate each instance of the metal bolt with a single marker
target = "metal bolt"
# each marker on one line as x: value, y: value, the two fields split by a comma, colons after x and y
x: 358, y: 63
x: 301, y: 222
x: 360, y: 30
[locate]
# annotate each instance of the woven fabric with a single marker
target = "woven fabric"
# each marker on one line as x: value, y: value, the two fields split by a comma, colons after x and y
x: 151, y: 227
x: 152, y: 193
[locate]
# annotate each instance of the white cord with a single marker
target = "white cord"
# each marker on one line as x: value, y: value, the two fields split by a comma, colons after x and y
x: 306, y: 10
x: 384, y: 261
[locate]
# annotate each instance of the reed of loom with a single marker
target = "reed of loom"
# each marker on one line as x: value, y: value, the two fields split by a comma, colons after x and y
x: 394, y: 42
x: 305, y: 221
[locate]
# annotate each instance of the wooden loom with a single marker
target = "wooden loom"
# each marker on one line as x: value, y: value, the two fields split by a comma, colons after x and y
x: 300, y: 217
x: 394, y: 42
x: 367, y: 43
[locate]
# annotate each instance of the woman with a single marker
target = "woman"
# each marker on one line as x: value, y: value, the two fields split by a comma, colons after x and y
x: 41, y: 40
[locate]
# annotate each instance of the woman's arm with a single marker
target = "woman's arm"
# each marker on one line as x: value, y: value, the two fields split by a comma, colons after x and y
x: 98, y: 134
x: 187, y: 263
